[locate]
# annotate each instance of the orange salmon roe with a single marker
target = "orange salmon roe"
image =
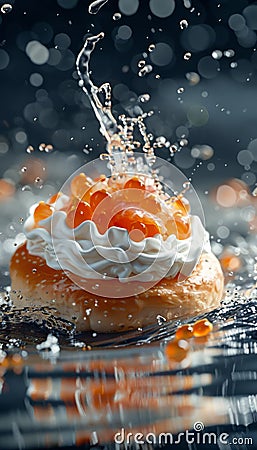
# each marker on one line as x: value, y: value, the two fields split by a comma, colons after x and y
x: 202, y: 328
x: 132, y: 218
x: 80, y: 185
x: 77, y: 216
x: 177, y: 350
x: 42, y: 211
x: 184, y: 332
x: 179, y: 225
x: 134, y: 183
x: 54, y: 198
x: 97, y: 197
x: 182, y: 205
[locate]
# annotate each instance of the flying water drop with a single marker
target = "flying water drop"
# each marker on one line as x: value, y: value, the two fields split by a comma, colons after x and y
x: 146, y: 69
x: 141, y: 63
x: 144, y: 98
x: 116, y: 16
x: 151, y: 47
x: 187, y: 56
x: 6, y: 8
x: 183, y: 24
x: 96, y: 6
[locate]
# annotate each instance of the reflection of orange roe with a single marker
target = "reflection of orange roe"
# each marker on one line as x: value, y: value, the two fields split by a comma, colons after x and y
x: 7, y: 189
x: 128, y: 202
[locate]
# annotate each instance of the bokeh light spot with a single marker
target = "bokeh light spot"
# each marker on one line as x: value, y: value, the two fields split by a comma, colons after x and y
x: 208, y: 67
x: 162, y: 54
x: 37, y: 52
x: 124, y: 32
x: 128, y: 7
x: 4, y: 59
x: 197, y: 115
x: 36, y: 79
x: 197, y: 38
x: 236, y: 22
x: 67, y: 4
x: 163, y: 8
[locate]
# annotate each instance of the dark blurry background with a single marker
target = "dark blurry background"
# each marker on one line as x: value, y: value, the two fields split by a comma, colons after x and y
x: 203, y: 82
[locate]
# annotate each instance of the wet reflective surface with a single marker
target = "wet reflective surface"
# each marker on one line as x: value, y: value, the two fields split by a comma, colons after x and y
x: 61, y: 391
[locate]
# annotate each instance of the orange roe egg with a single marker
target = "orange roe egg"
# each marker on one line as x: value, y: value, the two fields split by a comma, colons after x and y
x: 182, y: 205
x: 54, y: 198
x: 97, y: 197
x: 184, y: 332
x: 179, y: 225
x: 152, y: 204
x: 76, y: 217
x: 182, y: 225
x: 135, y: 219
x: 202, y: 328
x: 80, y: 185
x: 134, y: 183
x: 177, y: 350
x: 42, y: 211
x: 101, y: 177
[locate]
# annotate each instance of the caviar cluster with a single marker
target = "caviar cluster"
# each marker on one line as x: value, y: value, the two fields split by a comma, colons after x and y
x: 130, y: 202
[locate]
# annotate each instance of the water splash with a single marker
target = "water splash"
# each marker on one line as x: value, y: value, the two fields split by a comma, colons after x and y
x: 6, y: 8
x: 120, y: 136
x: 96, y: 6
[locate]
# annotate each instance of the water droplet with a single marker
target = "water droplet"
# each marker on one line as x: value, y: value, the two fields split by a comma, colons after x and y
x: 186, y: 185
x: 95, y: 6
x: 116, y: 16
x: 217, y: 54
x: 144, y: 98
x: 6, y: 8
x: 38, y: 182
x: 34, y: 270
x: 49, y: 148
x: 30, y: 149
x: 26, y: 188
x: 42, y: 147
x: 180, y: 90
x: 104, y: 157
x: 151, y: 47
x: 183, y: 142
x: 233, y: 65
x: 187, y: 4
x: 145, y: 70
x: 193, y: 78
x: 141, y: 63
x: 229, y: 53
x: 183, y: 24
x: 187, y: 56
x: 23, y: 169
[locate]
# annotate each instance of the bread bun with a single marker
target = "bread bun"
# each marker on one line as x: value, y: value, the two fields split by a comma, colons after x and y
x: 34, y: 284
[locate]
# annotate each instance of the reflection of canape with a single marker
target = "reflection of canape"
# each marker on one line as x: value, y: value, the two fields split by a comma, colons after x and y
x: 111, y: 256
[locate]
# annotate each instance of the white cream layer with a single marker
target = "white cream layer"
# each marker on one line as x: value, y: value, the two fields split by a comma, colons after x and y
x: 89, y: 254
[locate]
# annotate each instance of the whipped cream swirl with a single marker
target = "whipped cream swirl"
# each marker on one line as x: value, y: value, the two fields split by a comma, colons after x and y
x: 89, y: 254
